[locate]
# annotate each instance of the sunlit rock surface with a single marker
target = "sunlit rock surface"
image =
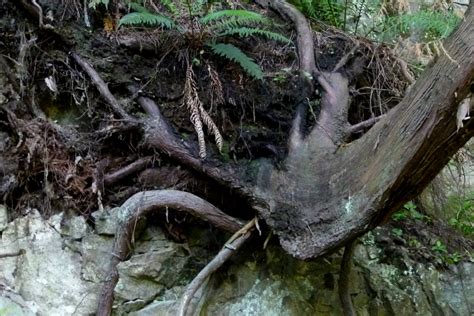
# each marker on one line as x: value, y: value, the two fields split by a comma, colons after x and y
x: 65, y: 262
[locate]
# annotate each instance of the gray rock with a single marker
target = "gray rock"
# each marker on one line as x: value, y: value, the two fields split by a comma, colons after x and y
x: 3, y: 217
x: 75, y: 228
x: 158, y: 308
x: 14, y: 305
x: 48, y: 274
x: 106, y: 221
x: 96, y: 251
x: 155, y: 266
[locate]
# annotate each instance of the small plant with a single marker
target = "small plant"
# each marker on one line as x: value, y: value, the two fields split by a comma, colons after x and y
x: 453, y: 258
x: 409, y: 211
x: 439, y: 247
x: 397, y: 232
x: 330, y: 12
x: 207, y: 31
x: 400, y: 215
x: 464, y: 219
x: 414, y: 243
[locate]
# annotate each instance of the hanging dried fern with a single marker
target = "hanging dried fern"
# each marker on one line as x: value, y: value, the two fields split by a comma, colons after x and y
x: 198, y: 114
x: 217, y: 90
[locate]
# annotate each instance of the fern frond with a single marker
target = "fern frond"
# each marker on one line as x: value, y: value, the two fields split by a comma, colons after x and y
x: 238, y: 16
x: 217, y: 90
x: 198, y: 6
x: 212, y: 127
x: 199, y: 115
x: 234, y: 54
x: 137, y: 7
x: 146, y: 18
x: 249, y: 31
x: 168, y: 4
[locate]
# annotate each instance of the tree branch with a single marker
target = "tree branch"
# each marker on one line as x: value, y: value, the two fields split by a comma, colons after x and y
x: 142, y: 204
x: 364, y: 124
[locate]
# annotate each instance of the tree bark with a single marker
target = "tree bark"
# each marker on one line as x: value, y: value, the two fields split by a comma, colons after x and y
x: 328, y: 195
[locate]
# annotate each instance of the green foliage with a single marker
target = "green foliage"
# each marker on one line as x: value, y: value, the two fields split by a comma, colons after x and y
x: 170, y: 6
x: 415, y: 243
x: 409, y: 211
x: 453, y: 258
x: 247, y: 32
x: 146, y: 18
x: 439, y: 247
x: 463, y: 221
x: 397, y: 232
x: 328, y: 11
x: 239, y: 17
x: 242, y: 23
x: 137, y: 7
x: 234, y: 54
x: 427, y: 24
x: 215, y: 25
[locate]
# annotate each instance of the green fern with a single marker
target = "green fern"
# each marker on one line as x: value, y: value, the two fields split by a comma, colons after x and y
x: 234, y: 54
x: 236, y: 16
x: 198, y: 6
x: 137, y: 7
x: 168, y: 4
x: 247, y: 32
x: 146, y: 18
x: 328, y: 11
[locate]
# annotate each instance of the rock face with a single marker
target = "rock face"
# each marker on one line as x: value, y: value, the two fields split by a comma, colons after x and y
x: 65, y: 261
x: 48, y: 275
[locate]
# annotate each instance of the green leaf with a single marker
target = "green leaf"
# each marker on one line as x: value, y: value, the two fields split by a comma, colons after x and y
x: 146, y: 18
x: 239, y: 16
x: 234, y: 54
x: 136, y: 7
x: 248, y: 31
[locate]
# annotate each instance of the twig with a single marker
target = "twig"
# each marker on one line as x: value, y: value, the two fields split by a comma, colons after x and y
x: 142, y: 204
x: 233, y: 244
x: 101, y: 86
x: 343, y: 61
x: 344, y: 280
x: 364, y: 124
x: 126, y: 171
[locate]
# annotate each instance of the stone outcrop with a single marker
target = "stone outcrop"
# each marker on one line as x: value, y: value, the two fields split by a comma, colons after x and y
x: 65, y: 260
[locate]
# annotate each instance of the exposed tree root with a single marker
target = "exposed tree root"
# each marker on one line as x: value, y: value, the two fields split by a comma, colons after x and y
x: 159, y: 135
x: 101, y: 86
x: 127, y: 171
x: 232, y: 245
x: 142, y: 204
x: 344, y: 280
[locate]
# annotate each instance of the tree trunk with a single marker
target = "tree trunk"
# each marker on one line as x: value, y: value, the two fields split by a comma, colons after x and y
x: 330, y: 193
